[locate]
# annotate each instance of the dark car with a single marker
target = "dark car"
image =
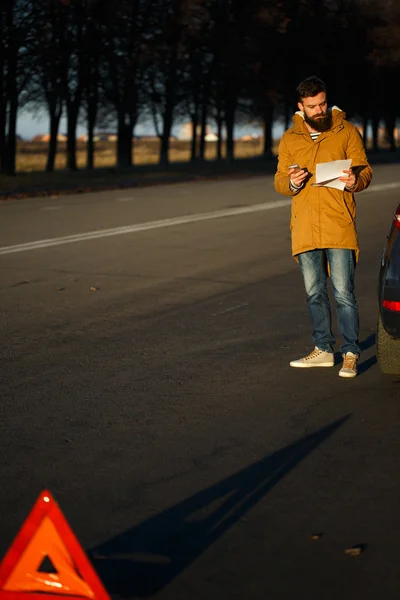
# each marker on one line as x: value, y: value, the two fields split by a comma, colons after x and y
x: 388, y: 335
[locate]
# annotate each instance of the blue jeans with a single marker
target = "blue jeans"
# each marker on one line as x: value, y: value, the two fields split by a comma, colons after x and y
x: 314, y: 269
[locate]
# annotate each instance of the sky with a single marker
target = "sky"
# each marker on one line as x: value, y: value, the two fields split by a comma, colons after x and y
x: 29, y: 125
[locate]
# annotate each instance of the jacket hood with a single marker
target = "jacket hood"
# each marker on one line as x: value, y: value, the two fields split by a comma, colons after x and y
x: 337, y: 117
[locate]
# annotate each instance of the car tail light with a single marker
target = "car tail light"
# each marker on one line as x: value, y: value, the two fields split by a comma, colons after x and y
x: 391, y: 305
x: 397, y: 218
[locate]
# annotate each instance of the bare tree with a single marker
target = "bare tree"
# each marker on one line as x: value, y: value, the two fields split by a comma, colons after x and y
x: 49, y: 63
x: 15, y: 21
x: 91, y: 64
x: 126, y: 37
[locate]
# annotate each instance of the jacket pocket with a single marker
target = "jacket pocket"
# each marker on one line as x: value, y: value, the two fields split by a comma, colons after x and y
x: 338, y: 211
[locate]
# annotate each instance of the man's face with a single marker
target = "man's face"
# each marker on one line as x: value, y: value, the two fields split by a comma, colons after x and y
x: 315, y: 109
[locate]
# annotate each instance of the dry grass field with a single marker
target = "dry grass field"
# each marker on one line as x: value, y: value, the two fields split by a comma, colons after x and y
x: 31, y: 178
x: 32, y: 156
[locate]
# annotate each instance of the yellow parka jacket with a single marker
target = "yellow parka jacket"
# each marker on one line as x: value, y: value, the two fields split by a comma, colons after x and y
x: 322, y: 217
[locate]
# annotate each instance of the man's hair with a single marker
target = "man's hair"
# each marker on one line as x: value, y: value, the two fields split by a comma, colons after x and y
x: 310, y: 87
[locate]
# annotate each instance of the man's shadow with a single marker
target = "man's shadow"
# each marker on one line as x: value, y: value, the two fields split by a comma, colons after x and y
x: 143, y: 560
x: 364, y: 345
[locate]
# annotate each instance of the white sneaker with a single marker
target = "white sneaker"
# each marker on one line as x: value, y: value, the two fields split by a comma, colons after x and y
x: 316, y: 358
x: 349, y: 368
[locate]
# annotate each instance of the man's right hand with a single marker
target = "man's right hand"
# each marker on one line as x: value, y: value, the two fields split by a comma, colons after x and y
x: 297, y: 176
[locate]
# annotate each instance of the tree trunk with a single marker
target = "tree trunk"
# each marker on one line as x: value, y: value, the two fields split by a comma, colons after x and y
x: 154, y: 117
x: 55, y: 111
x: 71, y: 133
x: 219, y: 113
x: 11, y: 103
x: 230, y: 144
x: 230, y: 125
x: 193, y: 148
x: 375, y: 132
x: 365, y: 129
x: 124, y: 142
x: 11, y: 145
x: 204, y: 115
x: 231, y: 97
x: 203, y: 130
x: 268, y: 119
x: 168, y: 115
x: 167, y: 126
x: 3, y: 112
x: 195, y: 116
x: 8, y: 87
x: 92, y: 113
x: 220, y: 124
x: 390, y: 126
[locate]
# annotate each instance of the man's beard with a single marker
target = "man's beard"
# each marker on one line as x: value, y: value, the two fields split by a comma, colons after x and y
x: 320, y: 123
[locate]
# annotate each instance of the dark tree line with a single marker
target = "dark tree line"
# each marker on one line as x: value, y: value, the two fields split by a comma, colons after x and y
x: 225, y: 61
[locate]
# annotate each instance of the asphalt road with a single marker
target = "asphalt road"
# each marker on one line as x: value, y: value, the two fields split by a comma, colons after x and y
x: 145, y: 383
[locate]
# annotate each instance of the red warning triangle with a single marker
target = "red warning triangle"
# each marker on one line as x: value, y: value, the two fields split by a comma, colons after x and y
x: 46, y: 534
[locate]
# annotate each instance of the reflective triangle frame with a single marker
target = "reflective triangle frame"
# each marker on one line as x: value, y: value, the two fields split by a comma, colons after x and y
x: 47, y: 514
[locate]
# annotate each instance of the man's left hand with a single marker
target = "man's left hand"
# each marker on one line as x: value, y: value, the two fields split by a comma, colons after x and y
x: 349, y: 179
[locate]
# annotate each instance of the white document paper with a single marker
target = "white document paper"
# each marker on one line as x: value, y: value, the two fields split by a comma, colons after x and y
x: 327, y: 174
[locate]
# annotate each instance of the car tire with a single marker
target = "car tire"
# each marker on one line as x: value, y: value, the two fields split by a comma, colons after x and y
x: 388, y: 351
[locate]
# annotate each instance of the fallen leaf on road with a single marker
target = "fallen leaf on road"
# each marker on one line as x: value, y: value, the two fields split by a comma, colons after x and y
x: 316, y: 536
x: 355, y: 550
x: 60, y: 289
x: 94, y: 289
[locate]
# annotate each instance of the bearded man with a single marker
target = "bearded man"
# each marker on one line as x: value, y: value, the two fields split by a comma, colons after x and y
x: 324, y: 236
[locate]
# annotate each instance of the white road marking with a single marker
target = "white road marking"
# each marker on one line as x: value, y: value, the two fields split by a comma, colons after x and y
x: 92, y: 235
x: 230, y: 309
x: 126, y: 199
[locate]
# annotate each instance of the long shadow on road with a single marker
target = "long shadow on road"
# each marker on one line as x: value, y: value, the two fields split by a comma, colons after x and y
x: 143, y: 560
x: 370, y: 362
